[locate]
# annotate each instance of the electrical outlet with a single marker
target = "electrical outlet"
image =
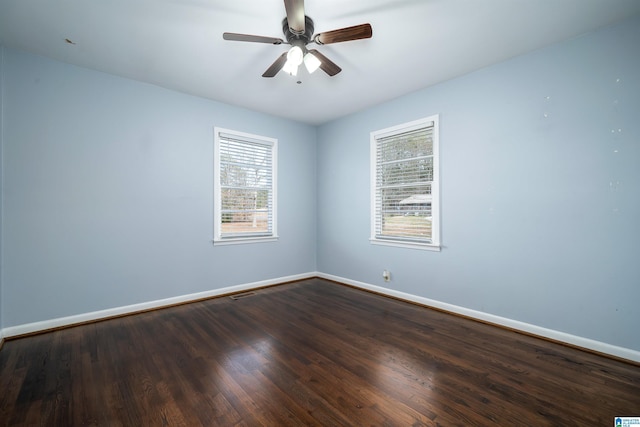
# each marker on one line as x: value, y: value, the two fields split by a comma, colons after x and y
x: 386, y: 275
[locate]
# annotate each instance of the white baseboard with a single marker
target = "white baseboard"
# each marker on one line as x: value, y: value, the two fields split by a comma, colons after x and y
x: 586, y: 343
x: 60, y: 322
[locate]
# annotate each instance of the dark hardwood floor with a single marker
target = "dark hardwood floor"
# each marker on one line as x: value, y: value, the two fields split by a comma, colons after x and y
x: 306, y: 353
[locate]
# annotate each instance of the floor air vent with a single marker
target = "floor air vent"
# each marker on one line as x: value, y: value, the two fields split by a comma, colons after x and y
x: 241, y: 296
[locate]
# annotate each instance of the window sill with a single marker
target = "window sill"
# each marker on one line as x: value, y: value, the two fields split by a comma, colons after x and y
x: 408, y: 245
x: 244, y: 240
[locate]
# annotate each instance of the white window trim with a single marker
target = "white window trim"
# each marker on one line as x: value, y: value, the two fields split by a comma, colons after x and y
x: 218, y: 240
x: 435, y: 244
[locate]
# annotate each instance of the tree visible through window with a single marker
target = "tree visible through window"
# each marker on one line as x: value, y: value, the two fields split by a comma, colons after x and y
x: 244, y: 187
x: 404, y: 184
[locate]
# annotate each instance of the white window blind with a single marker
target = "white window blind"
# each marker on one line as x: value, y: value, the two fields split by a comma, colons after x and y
x: 244, y: 187
x: 404, y: 196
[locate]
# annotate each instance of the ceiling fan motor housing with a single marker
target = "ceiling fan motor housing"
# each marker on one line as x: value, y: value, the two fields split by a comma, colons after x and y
x: 298, y: 39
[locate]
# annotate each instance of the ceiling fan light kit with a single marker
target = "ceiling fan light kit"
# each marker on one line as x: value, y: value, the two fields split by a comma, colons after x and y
x: 298, y: 31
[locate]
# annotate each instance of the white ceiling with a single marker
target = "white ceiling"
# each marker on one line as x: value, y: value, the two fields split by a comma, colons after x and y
x: 177, y: 44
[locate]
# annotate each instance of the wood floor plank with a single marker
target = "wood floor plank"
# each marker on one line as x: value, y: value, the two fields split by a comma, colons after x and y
x: 307, y: 353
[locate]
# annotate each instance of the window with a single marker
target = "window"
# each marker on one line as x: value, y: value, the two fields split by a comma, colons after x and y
x: 244, y: 187
x: 404, y: 185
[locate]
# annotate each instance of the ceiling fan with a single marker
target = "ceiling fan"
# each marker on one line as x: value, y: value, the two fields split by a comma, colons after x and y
x: 298, y: 32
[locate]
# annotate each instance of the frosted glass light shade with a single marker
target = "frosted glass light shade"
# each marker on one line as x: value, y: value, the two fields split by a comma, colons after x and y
x: 311, y: 62
x: 290, y: 68
x: 295, y: 55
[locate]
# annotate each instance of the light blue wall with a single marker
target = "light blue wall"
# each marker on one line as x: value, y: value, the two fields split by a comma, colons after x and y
x: 540, y: 215
x: 108, y: 193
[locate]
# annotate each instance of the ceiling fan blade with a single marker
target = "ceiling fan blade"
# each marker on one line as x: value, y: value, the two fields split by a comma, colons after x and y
x: 249, y: 38
x: 295, y: 15
x: 326, y: 65
x: 276, y: 66
x: 357, y: 32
